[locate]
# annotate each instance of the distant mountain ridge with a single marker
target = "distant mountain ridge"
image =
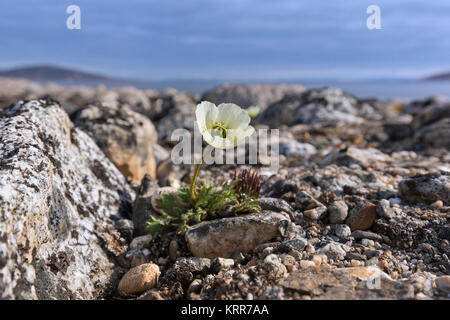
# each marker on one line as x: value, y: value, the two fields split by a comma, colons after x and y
x: 439, y: 76
x: 52, y: 73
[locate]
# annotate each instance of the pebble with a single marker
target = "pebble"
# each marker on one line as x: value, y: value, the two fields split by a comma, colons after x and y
x: 363, y: 218
x: 337, y: 212
x: 139, y: 279
x: 273, y: 264
x: 384, y: 209
x: 317, y: 259
x: 220, y: 264
x: 194, y: 264
x: 304, y: 264
x: 141, y: 242
x: 298, y: 244
x: 288, y: 261
x: 173, y: 250
x: 316, y: 213
x: 343, y: 231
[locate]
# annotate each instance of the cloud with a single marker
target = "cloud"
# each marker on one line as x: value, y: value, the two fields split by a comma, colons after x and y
x: 213, y: 38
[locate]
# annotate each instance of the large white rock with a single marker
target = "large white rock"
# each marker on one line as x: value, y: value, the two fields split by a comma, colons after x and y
x: 58, y: 193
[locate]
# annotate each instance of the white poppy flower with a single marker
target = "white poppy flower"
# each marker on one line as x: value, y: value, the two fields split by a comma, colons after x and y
x: 224, y: 126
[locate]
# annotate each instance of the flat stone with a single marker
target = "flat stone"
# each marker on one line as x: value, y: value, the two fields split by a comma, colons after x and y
x: 342, y: 284
x: 359, y: 234
x: 222, y: 237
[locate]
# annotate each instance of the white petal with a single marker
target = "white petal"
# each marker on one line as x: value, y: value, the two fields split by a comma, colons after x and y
x: 205, y: 114
x: 232, y: 116
x: 236, y: 136
x: 217, y: 141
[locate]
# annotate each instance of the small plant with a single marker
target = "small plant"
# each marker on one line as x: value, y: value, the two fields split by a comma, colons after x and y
x: 179, y: 210
x: 222, y: 127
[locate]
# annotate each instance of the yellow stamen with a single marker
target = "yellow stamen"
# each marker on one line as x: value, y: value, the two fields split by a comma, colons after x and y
x: 221, y: 128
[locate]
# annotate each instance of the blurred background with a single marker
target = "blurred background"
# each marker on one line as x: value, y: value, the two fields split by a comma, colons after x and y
x: 194, y: 45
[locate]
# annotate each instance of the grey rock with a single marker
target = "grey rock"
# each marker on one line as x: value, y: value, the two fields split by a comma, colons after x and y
x: 316, y: 213
x: 222, y: 237
x: 334, y: 250
x: 294, y: 148
x: 275, y: 204
x: 260, y: 95
x: 337, y: 212
x: 126, y: 137
x: 435, y: 135
x: 298, y: 244
x: 384, y: 209
x: 135, y: 98
x: 426, y: 188
x: 313, y: 209
x: 141, y: 242
x: 328, y: 105
x: 343, y: 231
x: 58, y: 191
x: 305, y: 201
x: 193, y: 264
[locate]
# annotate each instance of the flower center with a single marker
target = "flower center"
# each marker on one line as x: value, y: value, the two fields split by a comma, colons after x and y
x: 219, y: 129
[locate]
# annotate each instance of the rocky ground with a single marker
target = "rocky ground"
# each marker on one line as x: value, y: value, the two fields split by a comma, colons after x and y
x: 359, y: 208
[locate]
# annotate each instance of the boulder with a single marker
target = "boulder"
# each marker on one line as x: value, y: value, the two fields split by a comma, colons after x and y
x: 327, y: 105
x: 59, y: 195
x: 126, y: 137
x: 261, y: 95
x: 435, y: 135
x: 426, y: 188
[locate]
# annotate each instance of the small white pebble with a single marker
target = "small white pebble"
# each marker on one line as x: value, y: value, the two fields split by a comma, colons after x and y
x: 304, y: 264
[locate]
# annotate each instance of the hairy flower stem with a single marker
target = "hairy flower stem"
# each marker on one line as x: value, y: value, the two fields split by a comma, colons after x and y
x: 194, y: 178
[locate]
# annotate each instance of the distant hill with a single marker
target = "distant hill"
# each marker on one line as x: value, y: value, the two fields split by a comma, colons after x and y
x: 52, y: 73
x: 439, y: 76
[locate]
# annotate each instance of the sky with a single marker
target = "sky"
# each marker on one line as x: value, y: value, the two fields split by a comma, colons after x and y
x: 230, y: 39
